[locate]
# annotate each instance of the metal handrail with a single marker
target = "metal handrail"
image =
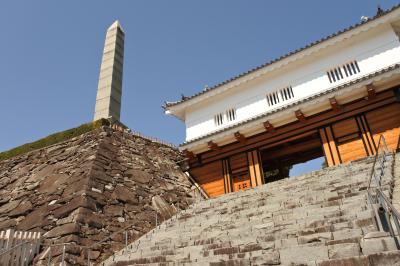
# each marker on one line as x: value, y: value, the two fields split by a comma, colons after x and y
x: 387, y: 200
x: 381, y: 142
x: 14, y: 247
x: 378, y: 198
x: 24, y: 259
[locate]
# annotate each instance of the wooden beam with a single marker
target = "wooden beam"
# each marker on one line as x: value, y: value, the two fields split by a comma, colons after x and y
x: 297, y: 148
x: 332, y: 145
x: 334, y: 104
x: 227, y: 176
x: 269, y: 127
x: 295, y: 128
x: 368, y: 134
x: 189, y: 154
x: 213, y: 146
x: 239, y: 137
x: 325, y: 146
x: 286, y: 140
x: 300, y: 116
x: 371, y: 91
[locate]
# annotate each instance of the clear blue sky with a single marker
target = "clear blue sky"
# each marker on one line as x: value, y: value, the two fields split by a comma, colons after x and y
x: 50, y: 54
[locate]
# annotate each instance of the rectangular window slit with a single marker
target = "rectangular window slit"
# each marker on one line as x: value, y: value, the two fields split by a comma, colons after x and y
x: 358, y: 69
x: 349, y: 69
x: 340, y: 72
x: 345, y: 70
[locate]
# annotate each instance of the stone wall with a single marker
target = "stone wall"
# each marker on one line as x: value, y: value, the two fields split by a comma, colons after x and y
x: 90, y: 188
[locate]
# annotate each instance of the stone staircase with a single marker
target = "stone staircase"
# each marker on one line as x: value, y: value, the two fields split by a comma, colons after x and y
x: 321, y: 218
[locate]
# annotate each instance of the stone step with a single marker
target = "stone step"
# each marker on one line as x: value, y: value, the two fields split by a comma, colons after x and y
x: 313, y: 254
x: 388, y: 258
x: 321, y: 218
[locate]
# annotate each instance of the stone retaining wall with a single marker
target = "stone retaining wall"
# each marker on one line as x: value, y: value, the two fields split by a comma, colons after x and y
x: 83, y: 190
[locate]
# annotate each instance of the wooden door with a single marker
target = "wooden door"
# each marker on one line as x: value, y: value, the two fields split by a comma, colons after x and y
x: 241, y: 182
x: 239, y: 172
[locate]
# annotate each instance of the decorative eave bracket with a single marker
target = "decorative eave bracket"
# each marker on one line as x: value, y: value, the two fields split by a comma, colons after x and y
x: 371, y: 91
x: 213, y: 146
x: 269, y: 127
x: 239, y: 137
x: 300, y: 116
x: 336, y: 107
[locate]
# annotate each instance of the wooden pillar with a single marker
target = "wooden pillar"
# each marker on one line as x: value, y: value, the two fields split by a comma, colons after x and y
x: 329, y: 146
x: 227, y: 176
x: 366, y: 135
x: 255, y: 170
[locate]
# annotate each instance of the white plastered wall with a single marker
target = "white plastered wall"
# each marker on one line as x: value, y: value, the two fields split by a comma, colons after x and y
x: 373, y: 50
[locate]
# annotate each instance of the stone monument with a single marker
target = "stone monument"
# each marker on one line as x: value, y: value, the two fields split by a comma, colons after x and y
x: 109, y: 91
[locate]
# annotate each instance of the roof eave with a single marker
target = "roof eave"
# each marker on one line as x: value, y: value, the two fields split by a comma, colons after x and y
x: 177, y: 113
x: 376, y: 76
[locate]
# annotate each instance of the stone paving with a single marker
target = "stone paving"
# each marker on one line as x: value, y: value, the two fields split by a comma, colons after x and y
x: 321, y: 218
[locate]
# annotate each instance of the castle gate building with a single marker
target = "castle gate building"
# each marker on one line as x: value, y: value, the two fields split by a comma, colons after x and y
x: 331, y: 98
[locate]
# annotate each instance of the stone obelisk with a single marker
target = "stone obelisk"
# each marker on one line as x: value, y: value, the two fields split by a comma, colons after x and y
x: 109, y: 91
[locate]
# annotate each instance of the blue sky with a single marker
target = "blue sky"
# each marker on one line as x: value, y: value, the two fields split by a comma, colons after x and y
x: 50, y: 54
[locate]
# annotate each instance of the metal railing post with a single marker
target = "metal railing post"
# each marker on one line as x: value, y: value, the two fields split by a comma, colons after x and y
x: 397, y: 225
x: 63, y: 256
x: 24, y: 247
x: 49, y: 257
x: 88, y: 257
x: 126, y: 240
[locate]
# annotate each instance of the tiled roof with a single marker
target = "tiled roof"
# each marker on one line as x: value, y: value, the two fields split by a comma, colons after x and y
x: 352, y: 82
x: 379, y: 14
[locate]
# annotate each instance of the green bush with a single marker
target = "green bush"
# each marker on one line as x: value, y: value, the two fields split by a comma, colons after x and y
x: 54, y: 138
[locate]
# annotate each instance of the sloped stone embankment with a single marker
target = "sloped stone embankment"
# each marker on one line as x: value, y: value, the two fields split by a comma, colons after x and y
x: 82, y: 190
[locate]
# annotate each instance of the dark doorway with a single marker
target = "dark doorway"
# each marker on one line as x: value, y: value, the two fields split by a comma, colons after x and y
x: 279, y: 158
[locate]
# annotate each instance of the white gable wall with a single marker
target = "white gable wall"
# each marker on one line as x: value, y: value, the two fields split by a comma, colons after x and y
x: 373, y: 50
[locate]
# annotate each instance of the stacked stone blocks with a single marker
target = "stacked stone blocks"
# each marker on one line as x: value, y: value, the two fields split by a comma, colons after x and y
x: 84, y: 190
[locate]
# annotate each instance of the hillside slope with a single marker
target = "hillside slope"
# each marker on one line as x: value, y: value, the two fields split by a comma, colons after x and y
x: 321, y: 218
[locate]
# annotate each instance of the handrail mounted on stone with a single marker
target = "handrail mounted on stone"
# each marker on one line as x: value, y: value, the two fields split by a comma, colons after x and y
x: 385, y: 213
x: 18, y: 248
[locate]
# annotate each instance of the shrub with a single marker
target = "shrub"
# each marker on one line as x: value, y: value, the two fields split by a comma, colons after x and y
x: 54, y: 138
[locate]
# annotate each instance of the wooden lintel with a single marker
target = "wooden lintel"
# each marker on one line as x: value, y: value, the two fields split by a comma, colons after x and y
x: 384, y: 98
x: 371, y: 91
x: 269, y: 127
x: 300, y: 116
x: 212, y: 145
x: 189, y: 154
x: 240, y: 137
x: 334, y: 104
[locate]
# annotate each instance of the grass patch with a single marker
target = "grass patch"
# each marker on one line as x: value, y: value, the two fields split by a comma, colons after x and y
x: 54, y: 138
